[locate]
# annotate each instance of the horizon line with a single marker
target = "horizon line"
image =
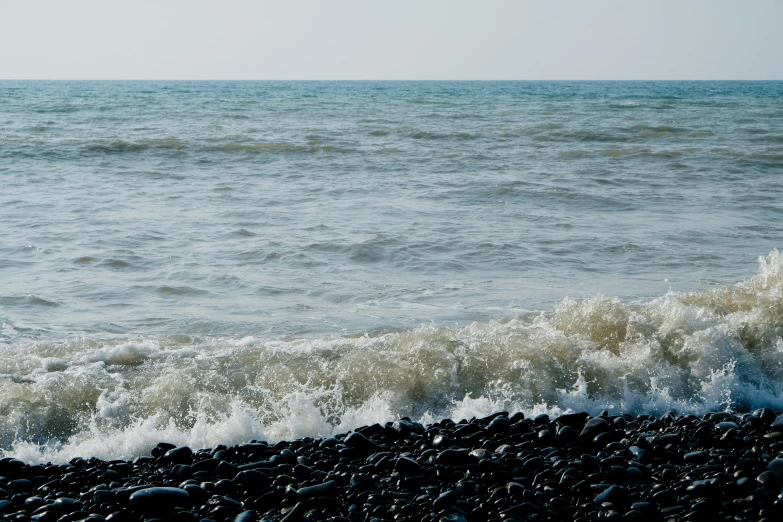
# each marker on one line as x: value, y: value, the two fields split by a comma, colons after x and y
x: 389, y: 80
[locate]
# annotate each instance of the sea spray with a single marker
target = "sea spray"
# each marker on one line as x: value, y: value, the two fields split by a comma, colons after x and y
x: 691, y: 352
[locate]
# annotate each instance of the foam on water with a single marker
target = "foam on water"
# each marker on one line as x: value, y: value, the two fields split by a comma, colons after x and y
x: 685, y: 351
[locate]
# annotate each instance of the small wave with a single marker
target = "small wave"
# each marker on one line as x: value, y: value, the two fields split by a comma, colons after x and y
x: 178, y: 290
x: 244, y: 233
x: 115, y: 263
x: 27, y: 300
x: 123, y: 146
x: 276, y: 147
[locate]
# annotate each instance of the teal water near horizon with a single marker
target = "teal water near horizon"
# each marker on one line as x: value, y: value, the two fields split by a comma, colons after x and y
x: 208, y: 260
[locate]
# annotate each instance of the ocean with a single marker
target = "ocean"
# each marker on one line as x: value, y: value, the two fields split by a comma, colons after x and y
x: 215, y: 262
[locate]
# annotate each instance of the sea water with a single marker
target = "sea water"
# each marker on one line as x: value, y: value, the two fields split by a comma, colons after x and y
x: 213, y: 262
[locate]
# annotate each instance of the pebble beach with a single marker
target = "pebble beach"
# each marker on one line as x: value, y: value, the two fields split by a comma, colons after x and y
x: 720, y: 466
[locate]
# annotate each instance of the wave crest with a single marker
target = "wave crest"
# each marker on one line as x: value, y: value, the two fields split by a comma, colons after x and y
x: 690, y: 352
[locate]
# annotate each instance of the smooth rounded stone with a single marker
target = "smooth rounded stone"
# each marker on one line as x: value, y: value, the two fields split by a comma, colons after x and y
x: 9, y: 466
x: 440, y: 441
x: 499, y: 425
x: 766, y: 415
x: 224, y: 487
x: 245, y: 516
x: 717, y: 416
x: 361, y: 482
x: 220, y: 453
x: 643, y: 507
x: 67, y: 505
x: 226, y: 470
x: 637, y: 452
x: 102, y: 496
x: 319, y: 490
x: 445, y: 500
x: 110, y: 476
x: 405, y: 427
x: 464, y: 430
x: 777, y: 423
x: 545, y: 436
x: 776, y: 466
x: 543, y: 418
x: 574, y: 420
x: 620, y: 421
x: 767, y: 479
x: 196, y: 493
x: 521, y: 510
x: 590, y: 462
x: 181, y: 472
x: 672, y: 510
x: 700, y: 488
x: 33, y: 503
x: 360, y: 442
x: 454, y: 517
x: 210, y: 464
x: 295, y: 514
x: 567, y: 434
x: 604, y: 439
x: 20, y: 486
x: 407, y: 466
x: 634, y: 475
x: 159, y: 500
x: 696, y: 457
x: 288, y: 456
x: 76, y: 515
x: 480, y: 454
x: 328, y: 442
x: 593, y: 428
x: 614, y: 494
x: 48, y: 516
x: 504, y: 449
x: 516, y: 417
x: 723, y: 426
x: 181, y: 455
x: 251, y: 478
x: 453, y: 457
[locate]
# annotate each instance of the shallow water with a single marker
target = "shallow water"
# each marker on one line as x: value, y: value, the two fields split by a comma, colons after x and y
x: 212, y: 262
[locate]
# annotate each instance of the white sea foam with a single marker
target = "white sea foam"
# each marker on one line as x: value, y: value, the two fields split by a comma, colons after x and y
x: 689, y: 352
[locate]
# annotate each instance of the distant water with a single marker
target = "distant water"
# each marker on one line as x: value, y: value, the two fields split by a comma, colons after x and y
x: 207, y: 262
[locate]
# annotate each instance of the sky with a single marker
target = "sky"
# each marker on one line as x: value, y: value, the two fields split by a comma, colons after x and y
x: 392, y: 40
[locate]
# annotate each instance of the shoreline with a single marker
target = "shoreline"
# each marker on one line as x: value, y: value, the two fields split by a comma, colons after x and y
x: 720, y: 466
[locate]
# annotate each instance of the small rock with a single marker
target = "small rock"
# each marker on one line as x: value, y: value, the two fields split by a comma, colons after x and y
x: 159, y: 500
x: 593, y: 428
x: 444, y: 500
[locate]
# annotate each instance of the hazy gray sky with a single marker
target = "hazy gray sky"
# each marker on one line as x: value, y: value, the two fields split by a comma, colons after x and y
x: 400, y: 39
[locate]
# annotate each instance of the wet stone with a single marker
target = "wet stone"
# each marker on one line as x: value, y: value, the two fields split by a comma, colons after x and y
x: 159, y: 500
x: 677, y: 468
x: 696, y: 457
x: 444, y: 500
x: 776, y: 466
x: 613, y: 494
x: 407, y: 466
x: 181, y: 455
x: 453, y: 457
x: 767, y: 479
x: 360, y: 442
x: 593, y: 428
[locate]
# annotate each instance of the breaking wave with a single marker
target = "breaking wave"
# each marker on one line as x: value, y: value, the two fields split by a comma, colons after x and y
x: 690, y: 352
